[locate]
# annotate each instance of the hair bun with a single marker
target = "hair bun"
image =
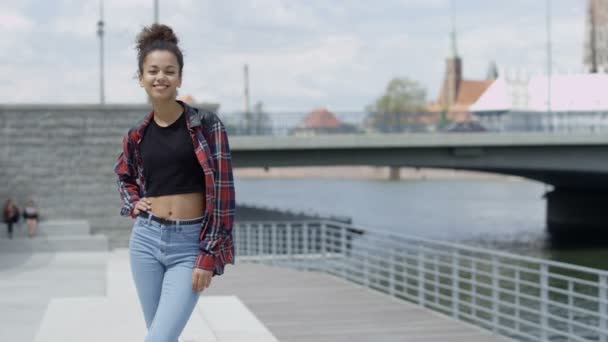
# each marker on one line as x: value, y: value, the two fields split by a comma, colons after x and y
x: 153, y: 33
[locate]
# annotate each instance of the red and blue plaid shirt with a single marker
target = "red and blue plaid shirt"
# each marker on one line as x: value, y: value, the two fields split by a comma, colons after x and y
x: 210, y: 143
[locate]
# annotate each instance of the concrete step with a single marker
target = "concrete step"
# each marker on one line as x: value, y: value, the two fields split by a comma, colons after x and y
x: 29, y: 281
x: 63, y: 243
x: 118, y: 317
x: 52, y: 228
x: 120, y: 287
x: 91, y: 319
x: 214, y: 318
x: 231, y: 321
x: 119, y: 283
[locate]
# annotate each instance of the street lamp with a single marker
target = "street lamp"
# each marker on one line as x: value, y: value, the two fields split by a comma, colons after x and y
x: 549, y: 61
x: 100, y: 33
x: 156, y: 11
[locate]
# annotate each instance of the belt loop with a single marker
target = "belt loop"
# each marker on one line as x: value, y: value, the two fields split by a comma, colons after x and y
x: 149, y: 218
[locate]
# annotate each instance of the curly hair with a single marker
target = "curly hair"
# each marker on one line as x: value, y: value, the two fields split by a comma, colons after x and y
x: 157, y: 37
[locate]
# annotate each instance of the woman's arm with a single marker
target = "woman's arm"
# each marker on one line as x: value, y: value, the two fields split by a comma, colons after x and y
x: 126, y: 170
x: 216, y: 245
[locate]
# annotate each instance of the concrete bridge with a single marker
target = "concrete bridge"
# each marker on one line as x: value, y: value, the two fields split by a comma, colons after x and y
x: 575, y: 165
x: 62, y: 154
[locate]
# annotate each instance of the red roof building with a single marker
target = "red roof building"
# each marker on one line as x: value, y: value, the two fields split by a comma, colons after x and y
x: 322, y: 121
x: 320, y: 118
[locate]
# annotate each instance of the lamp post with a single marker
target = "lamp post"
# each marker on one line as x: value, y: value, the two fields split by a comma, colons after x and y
x: 549, y: 61
x: 156, y: 11
x: 100, y: 33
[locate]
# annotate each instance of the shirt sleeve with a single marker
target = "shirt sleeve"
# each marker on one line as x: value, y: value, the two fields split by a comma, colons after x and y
x: 126, y: 170
x: 216, y: 244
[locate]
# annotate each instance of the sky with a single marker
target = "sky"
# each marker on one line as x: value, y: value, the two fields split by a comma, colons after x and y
x: 302, y: 54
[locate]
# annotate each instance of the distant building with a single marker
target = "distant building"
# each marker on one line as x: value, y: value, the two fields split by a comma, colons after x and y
x: 322, y: 121
x: 458, y: 94
x: 518, y: 102
x: 596, y: 36
x: 187, y: 99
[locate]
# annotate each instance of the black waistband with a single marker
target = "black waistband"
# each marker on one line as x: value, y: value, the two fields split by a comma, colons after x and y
x: 152, y: 217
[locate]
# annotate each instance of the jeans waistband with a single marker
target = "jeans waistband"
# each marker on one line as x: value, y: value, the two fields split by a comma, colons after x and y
x: 149, y: 216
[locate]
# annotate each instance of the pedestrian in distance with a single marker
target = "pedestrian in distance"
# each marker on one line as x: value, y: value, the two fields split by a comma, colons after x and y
x: 30, y: 215
x: 10, y: 214
x: 175, y: 179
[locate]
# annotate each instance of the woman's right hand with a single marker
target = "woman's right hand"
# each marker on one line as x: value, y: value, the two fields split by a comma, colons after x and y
x: 143, y: 204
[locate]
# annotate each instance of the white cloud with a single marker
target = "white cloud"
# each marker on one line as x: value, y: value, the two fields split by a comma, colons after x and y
x: 301, y: 54
x: 426, y: 3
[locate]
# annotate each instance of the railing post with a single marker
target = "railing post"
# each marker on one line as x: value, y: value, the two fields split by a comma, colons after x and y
x: 305, y: 243
x: 343, y: 245
x: 570, y: 304
x: 288, y: 228
x: 517, y: 300
x: 392, y: 272
x: 544, y: 297
x: 248, y: 240
x: 455, y: 283
x: 420, y: 259
x: 261, y: 240
x: 236, y: 237
x: 365, y: 268
x: 305, y: 246
x: 495, y: 293
x: 473, y: 287
x: 436, y: 279
x: 603, y: 297
x: 274, y: 239
x: 324, y: 261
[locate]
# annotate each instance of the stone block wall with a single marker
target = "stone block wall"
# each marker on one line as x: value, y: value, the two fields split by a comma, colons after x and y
x: 63, y: 157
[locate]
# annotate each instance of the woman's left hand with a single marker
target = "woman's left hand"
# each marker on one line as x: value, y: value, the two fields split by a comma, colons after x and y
x: 201, y: 279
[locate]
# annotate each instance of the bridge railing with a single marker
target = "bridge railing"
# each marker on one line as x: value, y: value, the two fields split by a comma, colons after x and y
x: 357, y: 122
x: 524, y: 298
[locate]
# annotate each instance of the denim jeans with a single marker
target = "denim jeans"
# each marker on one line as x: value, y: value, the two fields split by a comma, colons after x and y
x: 162, y: 258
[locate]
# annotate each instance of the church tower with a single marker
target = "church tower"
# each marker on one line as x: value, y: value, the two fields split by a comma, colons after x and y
x: 453, y: 72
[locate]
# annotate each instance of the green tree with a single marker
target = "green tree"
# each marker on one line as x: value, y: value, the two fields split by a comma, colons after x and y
x: 394, y: 110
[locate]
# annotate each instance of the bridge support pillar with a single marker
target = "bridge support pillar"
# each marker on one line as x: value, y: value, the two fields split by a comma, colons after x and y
x: 577, y: 214
x: 393, y: 173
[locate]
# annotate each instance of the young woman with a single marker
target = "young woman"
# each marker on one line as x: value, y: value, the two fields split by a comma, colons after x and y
x: 175, y: 178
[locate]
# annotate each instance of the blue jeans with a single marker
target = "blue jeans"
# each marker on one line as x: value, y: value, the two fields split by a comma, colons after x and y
x: 162, y: 259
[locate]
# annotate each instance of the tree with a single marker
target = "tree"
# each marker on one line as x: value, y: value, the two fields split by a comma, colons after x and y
x: 396, y: 109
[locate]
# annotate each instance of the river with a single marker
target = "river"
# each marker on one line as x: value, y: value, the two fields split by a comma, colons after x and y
x: 506, y: 214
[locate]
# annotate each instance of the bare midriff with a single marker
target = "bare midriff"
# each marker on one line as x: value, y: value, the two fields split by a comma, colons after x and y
x: 179, y: 206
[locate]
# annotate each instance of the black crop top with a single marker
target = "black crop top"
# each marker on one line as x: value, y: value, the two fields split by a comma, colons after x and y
x: 170, y: 165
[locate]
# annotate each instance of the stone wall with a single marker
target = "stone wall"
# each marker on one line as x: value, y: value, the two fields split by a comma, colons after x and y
x: 63, y: 157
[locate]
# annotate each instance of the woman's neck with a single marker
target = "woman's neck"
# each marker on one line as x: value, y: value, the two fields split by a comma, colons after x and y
x: 167, y: 111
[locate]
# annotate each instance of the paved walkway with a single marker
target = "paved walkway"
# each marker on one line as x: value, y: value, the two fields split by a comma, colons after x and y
x: 29, y: 281
x: 292, y: 305
x: 309, y: 306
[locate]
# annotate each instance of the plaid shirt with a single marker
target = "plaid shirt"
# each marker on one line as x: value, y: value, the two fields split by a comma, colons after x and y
x: 210, y: 143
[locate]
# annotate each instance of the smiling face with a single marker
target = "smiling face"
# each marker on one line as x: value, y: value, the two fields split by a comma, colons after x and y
x: 160, y: 75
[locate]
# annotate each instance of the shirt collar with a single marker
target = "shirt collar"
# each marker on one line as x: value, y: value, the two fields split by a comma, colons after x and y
x: 193, y: 119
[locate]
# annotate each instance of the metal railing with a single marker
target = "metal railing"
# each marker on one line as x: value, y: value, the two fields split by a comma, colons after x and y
x: 523, y: 298
x: 357, y: 122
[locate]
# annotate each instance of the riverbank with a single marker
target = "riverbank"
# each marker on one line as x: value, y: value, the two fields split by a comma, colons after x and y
x: 364, y: 172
